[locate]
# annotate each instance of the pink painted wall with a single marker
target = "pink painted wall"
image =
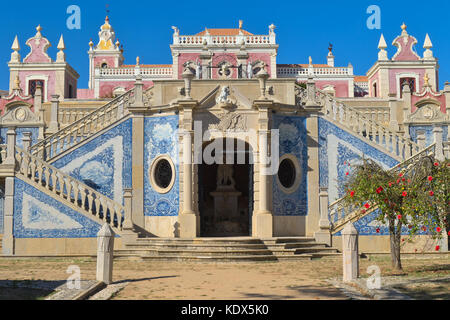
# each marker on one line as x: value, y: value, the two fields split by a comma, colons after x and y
x: 50, y: 84
x: 340, y: 87
x: 184, y: 57
x: 99, y: 60
x: 372, y: 80
x: 263, y: 57
x: 4, y: 102
x: 406, y: 53
x: 393, y: 80
x: 107, y: 87
x: 440, y: 99
x: 85, y: 94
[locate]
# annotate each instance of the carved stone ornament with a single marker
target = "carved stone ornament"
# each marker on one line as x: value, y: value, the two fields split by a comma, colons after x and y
x: 224, y: 100
x: 230, y: 121
x: 19, y: 115
x: 427, y: 113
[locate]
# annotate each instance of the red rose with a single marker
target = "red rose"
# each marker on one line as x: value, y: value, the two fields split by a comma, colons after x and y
x: 399, y: 216
x: 438, y: 230
x: 431, y: 193
x: 437, y: 248
x: 404, y: 193
x: 403, y: 179
x: 378, y: 230
x: 424, y: 228
x: 390, y: 184
x: 398, y: 181
x: 436, y: 164
x: 448, y: 233
x: 367, y: 206
x: 400, y: 175
x: 352, y: 193
x: 430, y: 178
x: 363, y: 211
x: 346, y: 173
x: 379, y: 190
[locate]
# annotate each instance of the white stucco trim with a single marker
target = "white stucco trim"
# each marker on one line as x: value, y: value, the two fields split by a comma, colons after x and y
x: 406, y: 75
x: 37, y: 77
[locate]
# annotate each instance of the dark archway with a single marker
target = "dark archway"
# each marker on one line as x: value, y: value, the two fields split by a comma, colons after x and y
x: 226, y: 209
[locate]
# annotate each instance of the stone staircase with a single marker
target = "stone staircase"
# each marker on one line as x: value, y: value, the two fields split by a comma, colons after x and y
x: 72, y: 135
x: 242, y: 249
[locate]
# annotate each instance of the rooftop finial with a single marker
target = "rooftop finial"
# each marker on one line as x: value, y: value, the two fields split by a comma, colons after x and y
x: 426, y: 78
x: 137, y: 61
x: 17, y: 83
x: 240, y: 24
x: 404, y: 32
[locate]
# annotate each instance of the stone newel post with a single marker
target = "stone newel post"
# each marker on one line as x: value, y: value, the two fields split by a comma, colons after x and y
x: 26, y: 141
x: 350, y: 252
x: 105, y: 253
x: 437, y: 137
x: 54, y: 125
x: 187, y: 76
x: 323, y: 235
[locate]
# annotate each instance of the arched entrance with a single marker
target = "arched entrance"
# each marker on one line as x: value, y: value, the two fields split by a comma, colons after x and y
x: 225, y: 191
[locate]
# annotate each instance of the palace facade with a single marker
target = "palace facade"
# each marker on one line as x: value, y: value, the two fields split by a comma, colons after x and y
x: 134, y: 149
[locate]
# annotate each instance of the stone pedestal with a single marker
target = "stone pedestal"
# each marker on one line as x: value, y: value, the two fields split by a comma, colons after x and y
x: 226, y: 202
x: 350, y: 253
x: 105, y: 252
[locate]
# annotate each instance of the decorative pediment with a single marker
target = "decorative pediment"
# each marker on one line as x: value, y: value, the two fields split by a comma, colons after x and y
x: 19, y: 115
x: 405, y: 47
x: 226, y: 98
x: 39, y: 46
x: 427, y: 112
x: 230, y: 121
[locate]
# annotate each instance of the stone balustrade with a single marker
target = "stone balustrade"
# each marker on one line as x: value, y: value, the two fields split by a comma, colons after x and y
x: 291, y: 72
x: 84, y: 127
x: 367, y: 128
x: 67, y: 116
x: 216, y: 40
x: 127, y: 72
x: 68, y: 190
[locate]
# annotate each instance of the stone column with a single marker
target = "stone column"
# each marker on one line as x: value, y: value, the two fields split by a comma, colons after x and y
x: 437, y: 136
x: 310, y: 93
x: 313, y: 217
x: 26, y: 141
x: 128, y: 234
x: 406, y: 93
x: 54, y: 125
x: 39, y: 111
x: 105, y: 254
x: 188, y: 218
x: 324, y: 233
x: 262, y: 218
x: 393, y: 123
x: 421, y: 139
x: 350, y: 253
x: 8, y: 209
x: 137, y: 109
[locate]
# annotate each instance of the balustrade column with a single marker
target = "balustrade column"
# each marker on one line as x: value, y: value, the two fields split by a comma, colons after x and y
x: 437, y: 137
x: 26, y: 141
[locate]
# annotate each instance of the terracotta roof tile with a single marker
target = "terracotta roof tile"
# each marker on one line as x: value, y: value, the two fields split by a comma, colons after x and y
x: 361, y: 79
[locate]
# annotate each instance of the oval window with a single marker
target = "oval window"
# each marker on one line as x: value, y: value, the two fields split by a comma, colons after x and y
x: 163, y: 173
x: 287, y: 173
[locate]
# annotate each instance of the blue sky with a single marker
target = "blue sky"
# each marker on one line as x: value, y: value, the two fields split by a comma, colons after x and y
x: 303, y: 28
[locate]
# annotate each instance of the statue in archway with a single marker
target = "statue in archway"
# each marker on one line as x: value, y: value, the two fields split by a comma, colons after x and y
x: 225, y: 176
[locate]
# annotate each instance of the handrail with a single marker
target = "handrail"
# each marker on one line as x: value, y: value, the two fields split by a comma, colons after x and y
x: 69, y: 190
x: 83, y: 128
x: 367, y: 128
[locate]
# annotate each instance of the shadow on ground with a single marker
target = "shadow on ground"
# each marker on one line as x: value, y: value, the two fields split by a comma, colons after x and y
x: 144, y: 279
x: 27, y: 289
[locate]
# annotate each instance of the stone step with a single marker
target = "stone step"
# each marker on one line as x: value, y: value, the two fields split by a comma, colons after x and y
x: 191, y: 246
x: 279, y: 240
x: 205, y: 252
x: 199, y: 258
x: 209, y: 241
x: 293, y: 245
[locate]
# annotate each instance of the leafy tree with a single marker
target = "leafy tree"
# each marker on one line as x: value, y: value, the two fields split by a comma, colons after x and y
x: 416, y: 197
